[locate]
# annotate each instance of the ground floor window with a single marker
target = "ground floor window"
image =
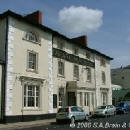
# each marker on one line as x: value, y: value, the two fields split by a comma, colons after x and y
x: 61, y: 96
x: 31, y: 96
x: 92, y: 99
x: 54, y: 101
x: 86, y: 99
x: 104, y: 98
x: 81, y: 99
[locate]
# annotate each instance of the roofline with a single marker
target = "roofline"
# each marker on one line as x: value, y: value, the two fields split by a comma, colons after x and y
x: 45, y: 28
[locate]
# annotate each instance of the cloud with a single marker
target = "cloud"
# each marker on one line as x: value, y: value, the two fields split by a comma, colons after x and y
x: 80, y: 20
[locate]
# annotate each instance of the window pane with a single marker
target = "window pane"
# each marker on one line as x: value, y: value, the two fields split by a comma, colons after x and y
x: 30, y: 101
x: 24, y: 101
x: 88, y: 74
x: 76, y: 71
x: 32, y: 61
x: 60, y: 68
x: 37, y: 101
x: 54, y: 101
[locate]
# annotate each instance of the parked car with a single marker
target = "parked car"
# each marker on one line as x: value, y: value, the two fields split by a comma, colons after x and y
x: 71, y: 113
x: 105, y: 110
x: 123, y: 107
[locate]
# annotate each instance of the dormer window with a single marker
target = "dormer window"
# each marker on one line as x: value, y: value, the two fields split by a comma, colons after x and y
x: 30, y: 36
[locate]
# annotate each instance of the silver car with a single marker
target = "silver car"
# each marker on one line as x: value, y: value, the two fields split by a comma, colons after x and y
x: 105, y: 110
x: 71, y: 113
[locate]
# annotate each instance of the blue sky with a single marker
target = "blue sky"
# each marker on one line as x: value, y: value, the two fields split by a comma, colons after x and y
x: 111, y: 36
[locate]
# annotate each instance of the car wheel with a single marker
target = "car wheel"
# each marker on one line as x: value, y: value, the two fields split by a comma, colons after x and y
x: 72, y: 120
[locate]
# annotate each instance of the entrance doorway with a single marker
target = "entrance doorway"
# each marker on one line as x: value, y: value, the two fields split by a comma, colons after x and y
x: 71, y: 99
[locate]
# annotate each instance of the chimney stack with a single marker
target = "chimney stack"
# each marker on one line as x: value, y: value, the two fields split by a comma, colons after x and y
x: 82, y: 40
x: 35, y: 17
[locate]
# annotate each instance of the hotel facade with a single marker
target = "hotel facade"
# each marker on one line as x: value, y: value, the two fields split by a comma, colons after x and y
x: 45, y: 70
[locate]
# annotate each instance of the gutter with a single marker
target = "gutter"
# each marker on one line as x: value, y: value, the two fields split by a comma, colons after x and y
x: 5, y: 72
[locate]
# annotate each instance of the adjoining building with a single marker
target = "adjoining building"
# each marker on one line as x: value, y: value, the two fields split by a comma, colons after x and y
x: 45, y: 70
x: 2, y: 89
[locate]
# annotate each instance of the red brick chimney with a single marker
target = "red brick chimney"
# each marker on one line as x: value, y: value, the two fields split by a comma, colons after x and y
x: 35, y: 17
x: 82, y: 40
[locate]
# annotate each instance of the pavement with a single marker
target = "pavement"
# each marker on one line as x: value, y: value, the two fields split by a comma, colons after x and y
x: 28, y: 124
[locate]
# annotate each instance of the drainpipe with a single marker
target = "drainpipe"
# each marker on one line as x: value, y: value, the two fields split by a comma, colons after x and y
x: 5, y: 72
x: 95, y: 80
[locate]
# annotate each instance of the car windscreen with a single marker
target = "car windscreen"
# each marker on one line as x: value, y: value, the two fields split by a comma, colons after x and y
x: 63, y: 110
x: 101, y: 107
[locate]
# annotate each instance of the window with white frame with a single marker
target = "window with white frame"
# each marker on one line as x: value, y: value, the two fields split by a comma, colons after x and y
x: 103, y: 78
x: 88, y: 74
x: 61, y: 96
x: 76, y: 72
x: 31, y: 96
x: 30, y: 36
x: 61, y: 68
x: 104, y: 98
x: 32, y: 61
x: 92, y: 97
x: 86, y: 99
x: 81, y: 99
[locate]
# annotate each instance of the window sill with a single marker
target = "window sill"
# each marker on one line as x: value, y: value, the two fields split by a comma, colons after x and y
x: 89, y: 81
x: 33, y: 71
x: 36, y: 43
x: 31, y: 109
x: 61, y: 76
x: 76, y: 79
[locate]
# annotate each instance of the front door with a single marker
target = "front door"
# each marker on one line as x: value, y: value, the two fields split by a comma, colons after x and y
x: 71, y: 99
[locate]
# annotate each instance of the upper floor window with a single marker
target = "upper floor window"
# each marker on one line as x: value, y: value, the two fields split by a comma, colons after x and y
x: 103, y: 77
x: 88, y: 55
x: 102, y: 62
x: 76, y: 72
x: 61, y: 68
x: 30, y: 36
x: 32, y: 61
x: 89, y: 74
x: 75, y: 51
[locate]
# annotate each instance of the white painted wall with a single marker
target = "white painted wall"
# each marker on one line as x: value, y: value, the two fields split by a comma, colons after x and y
x: 17, y: 66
